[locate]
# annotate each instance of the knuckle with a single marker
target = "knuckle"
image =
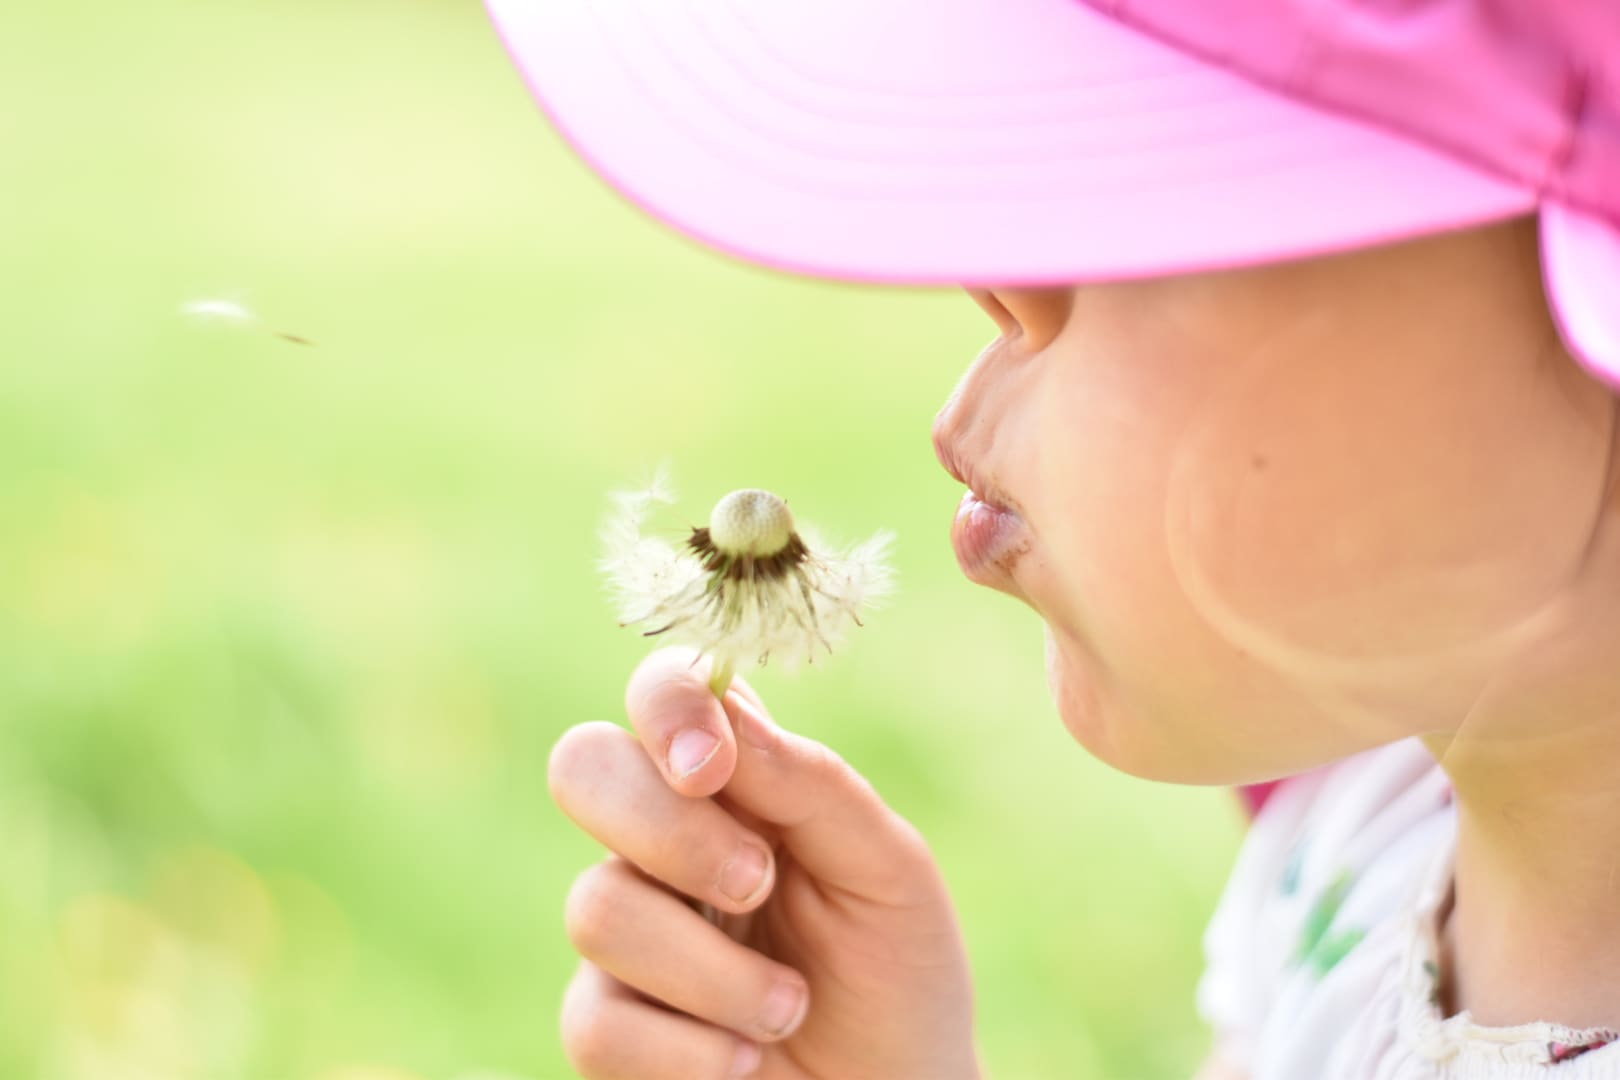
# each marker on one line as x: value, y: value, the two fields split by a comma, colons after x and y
x: 684, y: 849
x: 578, y: 754
x: 834, y: 774
x: 911, y: 846
x: 828, y: 765
x: 586, y: 1040
x: 593, y: 913
x: 913, y: 872
x: 589, y: 1045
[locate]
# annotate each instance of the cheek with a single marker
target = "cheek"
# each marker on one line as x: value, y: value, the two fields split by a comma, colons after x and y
x: 1245, y: 577
x: 1138, y: 679
x: 1372, y: 521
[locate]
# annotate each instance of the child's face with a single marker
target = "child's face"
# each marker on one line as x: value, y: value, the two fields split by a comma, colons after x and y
x: 1279, y: 515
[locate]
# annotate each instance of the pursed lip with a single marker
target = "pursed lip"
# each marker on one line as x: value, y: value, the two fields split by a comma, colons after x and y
x: 988, y: 533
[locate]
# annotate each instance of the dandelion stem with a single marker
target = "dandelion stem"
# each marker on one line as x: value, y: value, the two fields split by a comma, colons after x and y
x: 721, y: 679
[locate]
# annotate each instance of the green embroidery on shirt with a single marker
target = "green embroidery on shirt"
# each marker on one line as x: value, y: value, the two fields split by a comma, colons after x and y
x: 1290, y: 878
x: 1321, y: 916
x: 1330, y: 951
x: 1318, y: 950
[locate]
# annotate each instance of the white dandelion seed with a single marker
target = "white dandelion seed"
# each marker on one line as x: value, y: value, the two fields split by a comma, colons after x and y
x: 216, y: 310
x: 228, y: 311
x: 749, y: 585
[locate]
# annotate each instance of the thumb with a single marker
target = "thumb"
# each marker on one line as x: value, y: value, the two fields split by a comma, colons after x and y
x: 830, y: 819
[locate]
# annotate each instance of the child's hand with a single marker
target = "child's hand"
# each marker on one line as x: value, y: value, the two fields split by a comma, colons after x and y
x: 847, y: 904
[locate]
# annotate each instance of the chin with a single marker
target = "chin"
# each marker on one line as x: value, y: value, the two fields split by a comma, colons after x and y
x: 1118, y: 736
x: 1071, y: 677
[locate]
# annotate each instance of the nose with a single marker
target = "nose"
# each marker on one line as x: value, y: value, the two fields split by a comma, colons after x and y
x: 993, y: 307
x: 1035, y: 313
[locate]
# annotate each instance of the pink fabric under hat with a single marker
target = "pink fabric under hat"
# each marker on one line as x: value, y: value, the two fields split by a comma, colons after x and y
x: 1043, y: 141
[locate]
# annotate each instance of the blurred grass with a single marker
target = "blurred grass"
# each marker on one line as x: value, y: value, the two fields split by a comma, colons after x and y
x: 286, y: 632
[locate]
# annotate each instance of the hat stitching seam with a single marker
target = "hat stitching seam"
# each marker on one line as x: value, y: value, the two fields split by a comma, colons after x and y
x: 796, y: 182
x: 1579, y: 96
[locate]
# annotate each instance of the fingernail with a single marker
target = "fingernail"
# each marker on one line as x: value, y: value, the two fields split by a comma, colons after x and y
x: 690, y: 751
x: 784, y: 1008
x: 746, y: 1060
x: 744, y: 874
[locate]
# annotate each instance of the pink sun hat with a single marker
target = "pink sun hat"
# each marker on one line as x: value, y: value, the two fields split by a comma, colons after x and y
x: 1022, y: 142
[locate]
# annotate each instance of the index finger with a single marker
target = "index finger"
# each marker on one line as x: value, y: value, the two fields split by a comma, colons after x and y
x: 830, y: 818
x: 680, y: 722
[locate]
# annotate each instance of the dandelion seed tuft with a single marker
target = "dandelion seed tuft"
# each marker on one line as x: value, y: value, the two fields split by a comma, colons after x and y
x: 750, y: 585
x: 215, y: 310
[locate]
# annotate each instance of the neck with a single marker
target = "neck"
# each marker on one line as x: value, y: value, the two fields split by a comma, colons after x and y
x: 1533, y: 929
x: 1533, y: 932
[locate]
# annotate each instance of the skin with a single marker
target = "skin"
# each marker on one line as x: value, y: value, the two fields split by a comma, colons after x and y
x: 1275, y: 516
x: 852, y: 913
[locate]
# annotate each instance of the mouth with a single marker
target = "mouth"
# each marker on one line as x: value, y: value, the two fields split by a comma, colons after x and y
x: 987, y: 535
x: 988, y: 539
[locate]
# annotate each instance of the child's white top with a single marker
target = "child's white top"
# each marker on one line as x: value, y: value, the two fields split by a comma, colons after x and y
x: 1322, y: 950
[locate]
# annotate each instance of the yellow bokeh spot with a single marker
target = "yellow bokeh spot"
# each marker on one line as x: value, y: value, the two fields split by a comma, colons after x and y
x: 217, y: 901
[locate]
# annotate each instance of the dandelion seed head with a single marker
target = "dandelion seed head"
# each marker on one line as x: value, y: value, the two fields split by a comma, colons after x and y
x: 750, y: 585
x: 751, y: 522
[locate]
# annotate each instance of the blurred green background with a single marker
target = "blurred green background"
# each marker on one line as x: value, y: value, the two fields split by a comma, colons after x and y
x: 287, y: 631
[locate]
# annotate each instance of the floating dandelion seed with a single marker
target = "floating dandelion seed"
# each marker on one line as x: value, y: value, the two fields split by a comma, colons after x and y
x: 748, y: 585
x: 230, y: 311
x: 218, y: 311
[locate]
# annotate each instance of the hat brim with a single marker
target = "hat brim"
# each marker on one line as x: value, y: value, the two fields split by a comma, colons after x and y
x: 929, y: 142
x: 958, y: 141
